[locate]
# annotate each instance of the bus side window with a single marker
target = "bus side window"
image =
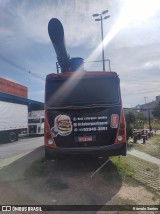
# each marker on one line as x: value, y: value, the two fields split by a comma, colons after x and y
x: 43, y: 120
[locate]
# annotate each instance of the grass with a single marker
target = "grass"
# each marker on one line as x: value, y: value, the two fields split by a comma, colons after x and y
x: 124, y: 168
x: 139, y: 170
x: 151, y: 147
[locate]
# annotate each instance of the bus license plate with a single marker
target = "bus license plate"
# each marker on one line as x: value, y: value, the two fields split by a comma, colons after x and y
x: 85, y: 138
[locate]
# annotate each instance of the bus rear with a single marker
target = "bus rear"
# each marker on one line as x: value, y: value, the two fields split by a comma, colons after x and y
x: 84, y: 114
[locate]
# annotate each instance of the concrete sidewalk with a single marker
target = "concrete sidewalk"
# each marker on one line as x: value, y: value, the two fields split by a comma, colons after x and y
x: 144, y: 156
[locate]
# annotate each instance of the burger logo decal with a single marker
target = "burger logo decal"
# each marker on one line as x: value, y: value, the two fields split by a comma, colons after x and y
x: 62, y: 126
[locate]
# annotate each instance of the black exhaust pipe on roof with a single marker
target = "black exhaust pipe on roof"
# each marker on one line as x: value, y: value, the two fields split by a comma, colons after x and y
x: 56, y: 33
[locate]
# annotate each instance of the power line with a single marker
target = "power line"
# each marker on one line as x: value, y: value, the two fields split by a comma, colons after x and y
x: 146, y: 92
x: 145, y: 89
x: 138, y: 80
x: 41, y: 78
x: 21, y: 68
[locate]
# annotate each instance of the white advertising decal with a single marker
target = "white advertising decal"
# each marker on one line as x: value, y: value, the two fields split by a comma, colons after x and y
x: 62, y: 126
x: 88, y: 124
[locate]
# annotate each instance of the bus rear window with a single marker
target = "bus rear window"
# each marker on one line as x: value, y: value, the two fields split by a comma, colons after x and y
x: 61, y: 92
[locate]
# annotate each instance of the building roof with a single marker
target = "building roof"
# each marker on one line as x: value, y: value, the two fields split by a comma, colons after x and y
x: 32, y: 104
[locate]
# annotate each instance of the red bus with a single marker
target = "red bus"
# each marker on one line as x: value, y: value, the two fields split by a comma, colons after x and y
x: 83, y: 113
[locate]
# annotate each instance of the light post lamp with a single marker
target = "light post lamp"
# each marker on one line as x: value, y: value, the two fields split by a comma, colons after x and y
x: 145, y: 99
x: 149, y: 116
x: 101, y: 18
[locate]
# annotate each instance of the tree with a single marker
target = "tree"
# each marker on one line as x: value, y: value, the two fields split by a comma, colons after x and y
x: 140, y: 116
x: 130, y: 119
x: 155, y: 125
x: 140, y: 121
x: 156, y: 111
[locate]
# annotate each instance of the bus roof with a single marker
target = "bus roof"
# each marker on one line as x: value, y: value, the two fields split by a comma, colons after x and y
x: 79, y: 73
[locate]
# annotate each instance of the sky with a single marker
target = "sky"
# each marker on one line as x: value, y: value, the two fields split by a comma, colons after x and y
x: 131, y: 40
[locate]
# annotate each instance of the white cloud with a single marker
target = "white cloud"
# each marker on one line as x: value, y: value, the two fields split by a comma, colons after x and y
x: 30, y: 20
x: 151, y: 64
x: 132, y: 40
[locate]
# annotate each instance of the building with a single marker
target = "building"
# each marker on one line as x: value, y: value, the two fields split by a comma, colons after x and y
x: 17, y: 93
x: 12, y: 88
x: 145, y: 108
x: 32, y: 104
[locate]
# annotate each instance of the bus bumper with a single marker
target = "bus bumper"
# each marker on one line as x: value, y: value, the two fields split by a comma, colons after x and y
x: 105, y: 151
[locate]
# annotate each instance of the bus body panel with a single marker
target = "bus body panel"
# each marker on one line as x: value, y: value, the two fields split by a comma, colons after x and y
x: 67, y: 126
x: 87, y: 119
x: 104, y: 151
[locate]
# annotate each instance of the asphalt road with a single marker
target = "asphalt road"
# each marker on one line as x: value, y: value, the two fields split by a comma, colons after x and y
x: 22, y: 146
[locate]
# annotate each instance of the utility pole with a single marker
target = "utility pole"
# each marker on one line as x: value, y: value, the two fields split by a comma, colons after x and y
x: 145, y: 99
x: 101, y: 20
x: 149, y: 119
x: 149, y: 115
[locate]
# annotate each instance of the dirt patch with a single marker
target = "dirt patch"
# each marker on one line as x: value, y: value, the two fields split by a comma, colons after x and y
x: 137, y: 194
x: 71, y: 178
x: 68, y: 181
x: 107, y: 186
x: 132, y: 195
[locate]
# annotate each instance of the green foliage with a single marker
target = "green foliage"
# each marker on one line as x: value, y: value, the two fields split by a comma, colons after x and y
x: 134, y: 120
x: 124, y: 168
x: 140, y: 116
x: 139, y: 124
x: 129, y: 131
x: 141, y: 121
x: 155, y: 124
x: 130, y: 117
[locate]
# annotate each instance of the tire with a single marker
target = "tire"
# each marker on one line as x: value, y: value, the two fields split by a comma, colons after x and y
x: 13, y: 136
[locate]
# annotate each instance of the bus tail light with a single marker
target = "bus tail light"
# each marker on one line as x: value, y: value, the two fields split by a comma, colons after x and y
x: 121, y: 134
x: 49, y: 141
x: 114, y: 120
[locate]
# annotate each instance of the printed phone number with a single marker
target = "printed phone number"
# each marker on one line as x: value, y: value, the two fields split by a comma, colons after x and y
x: 90, y: 129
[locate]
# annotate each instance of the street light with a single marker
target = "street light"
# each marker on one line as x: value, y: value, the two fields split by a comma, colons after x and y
x: 149, y: 116
x: 101, y: 19
x: 145, y: 99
